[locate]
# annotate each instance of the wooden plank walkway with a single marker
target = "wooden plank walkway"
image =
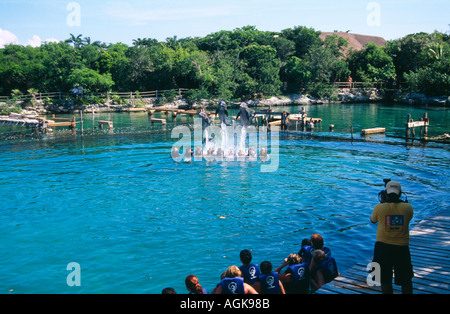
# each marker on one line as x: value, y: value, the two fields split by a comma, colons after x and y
x: 430, y: 256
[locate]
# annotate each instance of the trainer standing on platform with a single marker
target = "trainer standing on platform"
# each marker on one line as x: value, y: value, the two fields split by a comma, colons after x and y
x: 392, y: 244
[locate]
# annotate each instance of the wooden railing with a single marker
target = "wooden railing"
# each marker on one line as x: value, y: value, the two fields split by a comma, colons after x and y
x: 355, y: 84
x: 106, y: 95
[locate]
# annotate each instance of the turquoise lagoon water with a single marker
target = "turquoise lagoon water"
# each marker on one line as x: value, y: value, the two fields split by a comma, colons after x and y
x: 136, y: 221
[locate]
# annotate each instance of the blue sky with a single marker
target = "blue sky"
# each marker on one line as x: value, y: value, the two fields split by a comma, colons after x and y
x: 29, y: 22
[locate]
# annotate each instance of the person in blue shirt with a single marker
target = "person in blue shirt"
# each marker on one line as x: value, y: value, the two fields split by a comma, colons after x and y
x: 269, y: 281
x: 295, y: 279
x: 250, y: 271
x: 323, y: 269
x: 233, y: 283
x: 316, y: 244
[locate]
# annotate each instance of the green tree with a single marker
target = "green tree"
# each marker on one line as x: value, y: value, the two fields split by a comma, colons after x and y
x: 407, y: 52
x: 58, y: 61
x: 325, y: 66
x: 20, y: 68
x: 262, y: 66
x: 91, y: 80
x: 371, y: 64
x: 304, y: 39
x: 296, y: 72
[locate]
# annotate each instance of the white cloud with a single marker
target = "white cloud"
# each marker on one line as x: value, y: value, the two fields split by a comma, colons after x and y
x: 34, y: 42
x: 7, y: 37
x: 37, y: 42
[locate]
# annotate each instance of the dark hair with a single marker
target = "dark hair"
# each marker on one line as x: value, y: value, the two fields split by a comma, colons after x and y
x: 169, y: 291
x: 306, y: 242
x: 246, y: 256
x: 193, y: 285
x: 266, y: 267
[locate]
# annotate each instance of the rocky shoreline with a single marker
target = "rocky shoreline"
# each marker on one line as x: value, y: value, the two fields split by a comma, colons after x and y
x: 345, y: 95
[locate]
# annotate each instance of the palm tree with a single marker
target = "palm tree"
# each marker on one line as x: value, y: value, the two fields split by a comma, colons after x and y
x: 436, y: 51
x: 76, y: 41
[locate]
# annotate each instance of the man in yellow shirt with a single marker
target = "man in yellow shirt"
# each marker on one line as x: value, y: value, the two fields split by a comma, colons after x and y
x: 392, y: 243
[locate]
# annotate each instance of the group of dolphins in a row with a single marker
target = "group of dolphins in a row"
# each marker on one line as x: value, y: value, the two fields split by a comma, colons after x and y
x: 209, y: 154
x: 245, y: 114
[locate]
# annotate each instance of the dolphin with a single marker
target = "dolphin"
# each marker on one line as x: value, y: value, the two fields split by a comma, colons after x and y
x: 244, y: 113
x: 206, y: 120
x: 222, y: 112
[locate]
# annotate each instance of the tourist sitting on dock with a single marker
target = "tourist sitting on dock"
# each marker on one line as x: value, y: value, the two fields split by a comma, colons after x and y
x: 241, y: 155
x: 323, y: 269
x: 251, y: 153
x: 231, y: 155
x: 250, y: 272
x: 193, y: 285
x: 175, y: 153
x: 296, y: 279
x: 263, y: 156
x: 316, y: 244
x: 233, y: 283
x: 188, y: 155
x: 198, y: 152
x: 269, y: 281
x: 219, y: 154
x: 209, y: 155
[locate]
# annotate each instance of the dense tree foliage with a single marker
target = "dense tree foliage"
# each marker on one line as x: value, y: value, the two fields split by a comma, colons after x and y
x: 237, y: 64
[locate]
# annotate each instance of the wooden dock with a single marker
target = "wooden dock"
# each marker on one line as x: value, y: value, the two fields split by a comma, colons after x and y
x: 37, y: 122
x: 430, y: 255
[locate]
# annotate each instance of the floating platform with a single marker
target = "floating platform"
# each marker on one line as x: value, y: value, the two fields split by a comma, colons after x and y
x: 155, y: 120
x: 373, y: 131
x: 37, y: 121
x: 30, y: 121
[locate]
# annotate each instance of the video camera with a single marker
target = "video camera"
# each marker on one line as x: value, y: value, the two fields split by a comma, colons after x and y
x: 382, y: 196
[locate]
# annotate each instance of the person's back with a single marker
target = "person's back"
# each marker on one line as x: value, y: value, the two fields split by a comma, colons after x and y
x: 391, y: 250
x: 393, y: 222
x: 250, y: 272
x: 300, y: 278
x: 316, y: 243
x: 323, y: 269
x: 269, y: 281
x: 233, y: 283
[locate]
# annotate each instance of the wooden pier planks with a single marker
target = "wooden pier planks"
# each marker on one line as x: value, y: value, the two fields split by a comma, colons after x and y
x: 430, y: 255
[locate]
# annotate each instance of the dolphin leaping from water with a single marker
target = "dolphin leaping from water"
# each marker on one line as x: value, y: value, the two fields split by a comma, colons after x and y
x: 222, y: 112
x: 245, y: 114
